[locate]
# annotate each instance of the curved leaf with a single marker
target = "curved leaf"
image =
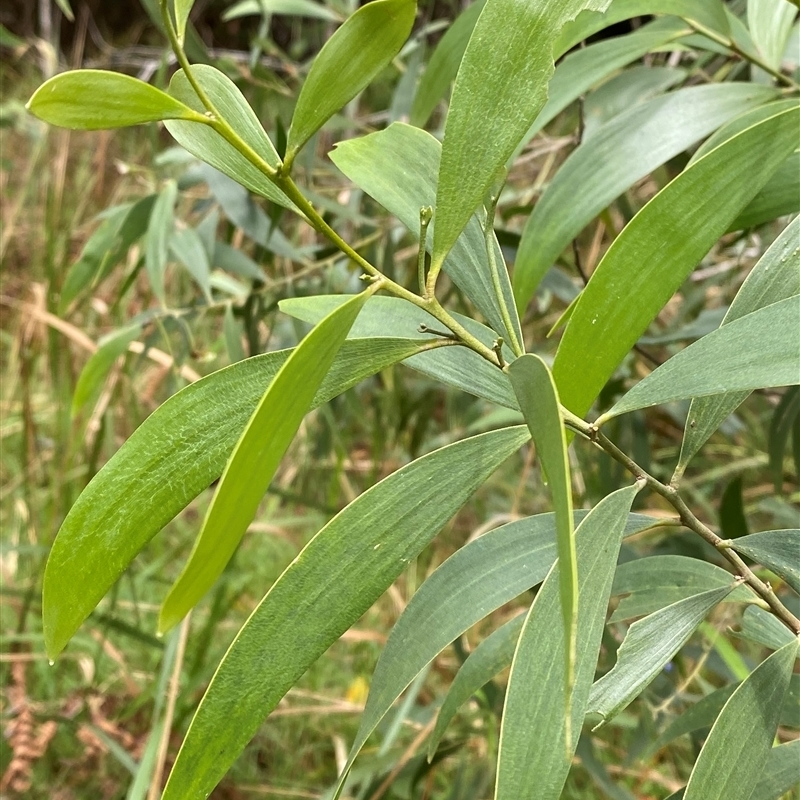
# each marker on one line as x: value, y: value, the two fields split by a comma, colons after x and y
x: 619, y: 154
x: 538, y: 401
x: 647, y: 262
x: 334, y: 580
x: 500, y: 88
x: 779, y: 197
x: 490, y: 657
x: 94, y: 99
x: 776, y: 550
x: 255, y: 459
x: 648, y: 645
x: 182, y: 9
x: 475, y: 581
x: 398, y: 168
x: 170, y: 459
x: 770, y: 23
x: 541, y: 720
x: 734, y: 755
x: 366, y: 42
x: 765, y: 628
x: 206, y: 144
x: 775, y: 277
x: 753, y: 352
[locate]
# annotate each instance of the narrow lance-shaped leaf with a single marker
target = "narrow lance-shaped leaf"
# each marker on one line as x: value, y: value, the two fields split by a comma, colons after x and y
x: 490, y: 657
x: 398, y: 168
x: 775, y: 277
x: 734, y: 755
x: 93, y: 99
x: 349, y: 60
x: 159, y: 231
x: 256, y: 457
x: 765, y: 628
x: 538, y: 401
x: 647, y: 263
x: 337, y: 577
x: 777, y: 550
x: 500, y: 88
x: 475, y: 581
x: 649, y: 644
x: 541, y: 722
x: 770, y: 23
x: 613, y: 159
x: 182, y: 9
x: 206, y: 144
x: 170, y: 459
x: 753, y: 352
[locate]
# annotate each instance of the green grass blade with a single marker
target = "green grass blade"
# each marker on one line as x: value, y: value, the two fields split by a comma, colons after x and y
x: 541, y: 724
x: 366, y: 42
x: 335, y: 579
x: 647, y: 263
x: 500, y: 88
x: 174, y: 455
x: 256, y: 457
x: 734, y: 755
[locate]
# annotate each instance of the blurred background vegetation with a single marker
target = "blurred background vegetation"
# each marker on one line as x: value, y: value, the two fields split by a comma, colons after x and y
x: 75, y: 211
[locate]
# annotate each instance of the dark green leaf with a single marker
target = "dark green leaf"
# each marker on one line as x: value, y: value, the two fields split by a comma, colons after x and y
x: 349, y: 60
x: 538, y: 401
x: 398, y: 167
x: 776, y: 550
x: 335, y: 579
x: 731, y: 761
x: 151, y: 478
x: 732, y: 519
x: 783, y: 420
x: 541, y: 721
x: 648, y: 645
x: 765, y: 628
x: 779, y: 197
x: 647, y: 263
x: 781, y: 772
x: 93, y: 99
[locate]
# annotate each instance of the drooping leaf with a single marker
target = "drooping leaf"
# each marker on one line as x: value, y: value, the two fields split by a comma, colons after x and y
x: 781, y: 427
x: 647, y: 263
x: 349, y: 60
x: 538, y: 401
x: 335, y: 579
x: 159, y: 232
x: 654, y: 582
x: 187, y: 246
x: 490, y: 657
x: 731, y: 761
x: 99, y: 364
x: 622, y: 152
x: 443, y: 64
x: 541, y: 721
x: 776, y: 550
x: 649, y: 644
x: 775, y: 277
x: 173, y: 456
x: 732, y: 517
x: 206, y: 144
x: 398, y: 168
x: 475, y: 581
x: 757, y: 351
x: 500, y: 88
x: 393, y: 316
x: 93, y: 99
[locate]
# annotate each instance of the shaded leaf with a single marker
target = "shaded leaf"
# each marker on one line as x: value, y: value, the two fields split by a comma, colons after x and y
x: 173, y: 456
x: 534, y: 759
x: 205, y: 143
x: 159, y: 232
x: 775, y: 277
x: 366, y: 42
x: 500, y: 88
x: 538, y: 401
x: 753, y: 352
x: 619, y: 154
x: 765, y: 628
x: 182, y: 9
x: 648, y: 645
x: 732, y: 519
x: 776, y: 550
x: 781, y: 425
x: 731, y: 761
x: 187, y: 247
x: 647, y: 263
x: 93, y: 99
x: 294, y: 8
x: 770, y: 23
x: 342, y: 571
x: 781, y: 772
x: 779, y: 197
x: 398, y: 168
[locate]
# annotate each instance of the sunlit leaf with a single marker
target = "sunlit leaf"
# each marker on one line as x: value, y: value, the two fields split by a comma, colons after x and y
x: 349, y: 60
x: 93, y: 99
x: 334, y: 580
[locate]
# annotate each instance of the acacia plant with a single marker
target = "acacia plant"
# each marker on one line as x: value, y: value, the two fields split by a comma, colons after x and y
x: 236, y: 424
